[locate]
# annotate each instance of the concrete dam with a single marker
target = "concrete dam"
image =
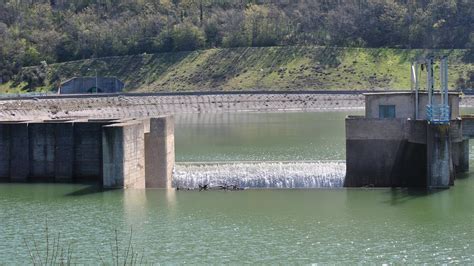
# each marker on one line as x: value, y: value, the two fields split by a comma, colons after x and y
x: 128, y: 142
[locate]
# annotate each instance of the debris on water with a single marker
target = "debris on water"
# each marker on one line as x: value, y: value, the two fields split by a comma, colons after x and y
x: 207, y: 187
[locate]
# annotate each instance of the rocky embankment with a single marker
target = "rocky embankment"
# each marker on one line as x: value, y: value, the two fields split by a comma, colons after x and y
x: 120, y: 106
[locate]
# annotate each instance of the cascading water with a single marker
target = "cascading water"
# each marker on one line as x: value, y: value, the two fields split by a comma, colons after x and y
x: 316, y: 174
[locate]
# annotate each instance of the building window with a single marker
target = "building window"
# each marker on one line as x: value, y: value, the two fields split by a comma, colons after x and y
x: 386, y: 111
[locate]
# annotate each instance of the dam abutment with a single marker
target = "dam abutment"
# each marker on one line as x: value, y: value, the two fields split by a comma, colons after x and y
x: 110, y: 152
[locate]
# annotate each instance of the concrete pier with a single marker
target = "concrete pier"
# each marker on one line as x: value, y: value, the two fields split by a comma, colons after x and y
x: 394, y: 145
x: 440, y: 170
x: 159, y: 152
x: 127, y: 153
x: 462, y: 161
x: 124, y: 155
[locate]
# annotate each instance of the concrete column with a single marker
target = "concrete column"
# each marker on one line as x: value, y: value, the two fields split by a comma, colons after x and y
x: 159, y: 152
x: 64, y: 152
x: 439, y: 163
x: 4, y: 152
x: 123, y: 150
x: 19, y: 152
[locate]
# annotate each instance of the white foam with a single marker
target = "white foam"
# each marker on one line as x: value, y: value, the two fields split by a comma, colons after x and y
x: 315, y: 174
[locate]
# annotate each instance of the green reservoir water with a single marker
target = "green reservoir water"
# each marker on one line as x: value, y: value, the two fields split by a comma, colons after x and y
x: 251, y: 226
x: 261, y: 137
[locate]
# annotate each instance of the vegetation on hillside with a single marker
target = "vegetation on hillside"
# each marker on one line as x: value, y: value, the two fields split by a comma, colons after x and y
x: 43, y: 32
x: 265, y: 68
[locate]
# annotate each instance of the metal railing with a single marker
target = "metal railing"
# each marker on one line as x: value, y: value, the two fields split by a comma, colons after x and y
x: 438, y: 114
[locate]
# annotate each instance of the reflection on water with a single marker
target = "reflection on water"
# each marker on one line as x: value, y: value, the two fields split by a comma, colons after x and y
x: 253, y: 226
x: 261, y: 137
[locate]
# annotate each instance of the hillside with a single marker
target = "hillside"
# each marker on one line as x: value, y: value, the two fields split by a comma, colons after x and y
x: 272, y: 68
x: 54, y: 31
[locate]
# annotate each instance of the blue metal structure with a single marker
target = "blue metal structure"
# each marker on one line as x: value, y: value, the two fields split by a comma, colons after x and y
x: 437, y: 111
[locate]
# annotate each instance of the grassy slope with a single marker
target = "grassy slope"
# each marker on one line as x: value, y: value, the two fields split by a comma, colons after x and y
x: 275, y: 68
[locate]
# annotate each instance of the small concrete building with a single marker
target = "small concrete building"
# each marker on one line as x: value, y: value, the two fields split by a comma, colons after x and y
x: 395, y: 145
x: 84, y: 85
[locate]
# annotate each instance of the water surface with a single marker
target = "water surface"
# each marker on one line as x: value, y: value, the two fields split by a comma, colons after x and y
x: 261, y: 137
x: 251, y: 226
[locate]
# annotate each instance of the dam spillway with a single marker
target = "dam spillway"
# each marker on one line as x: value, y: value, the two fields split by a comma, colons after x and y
x: 309, y: 174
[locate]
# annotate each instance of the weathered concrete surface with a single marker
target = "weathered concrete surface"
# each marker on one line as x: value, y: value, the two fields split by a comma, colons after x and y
x: 107, y: 151
x: 124, y: 155
x: 88, y: 150
x: 379, y: 154
x: 367, y: 129
x: 440, y: 169
x: 4, y: 152
x: 394, y: 152
x: 159, y: 152
x: 19, y: 152
x: 41, y: 148
x: 468, y: 126
x: 64, y: 152
x: 460, y: 151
